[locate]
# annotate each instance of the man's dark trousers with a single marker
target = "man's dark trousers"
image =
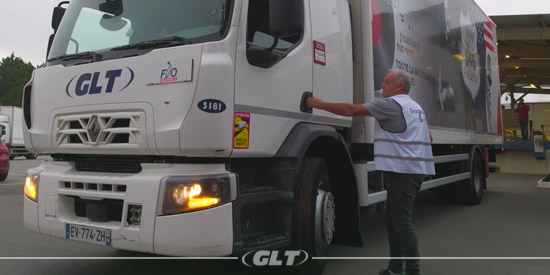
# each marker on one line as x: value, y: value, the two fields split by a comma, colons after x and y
x: 401, y: 190
x: 523, y: 124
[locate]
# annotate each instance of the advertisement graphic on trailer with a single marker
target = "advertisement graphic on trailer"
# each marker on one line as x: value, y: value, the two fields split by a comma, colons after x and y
x: 449, y: 49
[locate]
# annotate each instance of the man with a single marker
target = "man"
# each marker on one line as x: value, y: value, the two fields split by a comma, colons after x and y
x: 402, y: 151
x: 523, y: 116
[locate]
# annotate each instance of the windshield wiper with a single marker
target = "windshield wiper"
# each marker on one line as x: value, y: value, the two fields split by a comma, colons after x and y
x: 93, y: 56
x: 158, y: 43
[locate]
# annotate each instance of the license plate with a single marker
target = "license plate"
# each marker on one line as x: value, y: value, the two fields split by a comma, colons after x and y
x: 88, y: 234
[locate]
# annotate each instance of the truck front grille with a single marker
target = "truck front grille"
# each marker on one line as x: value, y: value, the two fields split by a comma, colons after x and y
x: 99, y: 129
x: 87, y: 186
x: 108, y: 165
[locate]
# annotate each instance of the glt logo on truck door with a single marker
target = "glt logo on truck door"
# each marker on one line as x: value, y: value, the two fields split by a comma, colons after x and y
x: 100, y: 82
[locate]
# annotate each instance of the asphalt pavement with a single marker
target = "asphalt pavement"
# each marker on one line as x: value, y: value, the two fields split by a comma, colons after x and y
x: 512, y: 224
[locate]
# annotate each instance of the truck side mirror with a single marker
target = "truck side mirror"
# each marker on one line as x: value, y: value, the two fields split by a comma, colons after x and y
x: 50, y: 42
x: 57, y: 15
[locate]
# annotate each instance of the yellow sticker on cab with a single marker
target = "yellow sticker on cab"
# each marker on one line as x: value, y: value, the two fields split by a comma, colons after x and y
x: 241, y: 135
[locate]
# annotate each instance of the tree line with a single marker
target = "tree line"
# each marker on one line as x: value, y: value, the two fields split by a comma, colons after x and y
x: 14, y: 74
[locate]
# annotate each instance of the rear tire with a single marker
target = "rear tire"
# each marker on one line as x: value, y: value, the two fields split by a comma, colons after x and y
x: 313, y: 214
x: 470, y: 192
x: 3, y: 176
x: 31, y: 156
x: 10, y: 153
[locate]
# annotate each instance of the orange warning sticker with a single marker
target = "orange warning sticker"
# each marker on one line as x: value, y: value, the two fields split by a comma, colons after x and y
x: 241, y: 134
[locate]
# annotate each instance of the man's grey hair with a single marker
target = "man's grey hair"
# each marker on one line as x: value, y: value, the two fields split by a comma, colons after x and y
x: 405, y: 79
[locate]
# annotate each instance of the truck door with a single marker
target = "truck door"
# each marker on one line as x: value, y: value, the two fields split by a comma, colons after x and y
x: 272, y: 74
x: 333, y: 60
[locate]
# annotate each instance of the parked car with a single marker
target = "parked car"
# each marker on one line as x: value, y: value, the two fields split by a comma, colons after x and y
x: 4, y: 161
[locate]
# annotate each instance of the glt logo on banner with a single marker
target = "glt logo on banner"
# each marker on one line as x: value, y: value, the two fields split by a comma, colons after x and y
x: 274, y: 258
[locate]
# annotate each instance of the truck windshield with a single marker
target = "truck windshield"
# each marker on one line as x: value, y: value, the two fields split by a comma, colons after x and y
x: 97, y: 30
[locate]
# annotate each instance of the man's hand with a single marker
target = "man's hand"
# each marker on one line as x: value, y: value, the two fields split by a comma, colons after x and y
x: 314, y: 102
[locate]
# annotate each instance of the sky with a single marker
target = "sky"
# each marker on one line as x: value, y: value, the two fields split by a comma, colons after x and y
x: 28, y: 38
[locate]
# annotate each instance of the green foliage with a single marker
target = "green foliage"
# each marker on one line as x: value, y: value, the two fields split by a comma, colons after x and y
x: 14, y: 74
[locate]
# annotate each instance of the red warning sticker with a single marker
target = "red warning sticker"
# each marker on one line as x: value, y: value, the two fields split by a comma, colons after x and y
x: 319, y: 53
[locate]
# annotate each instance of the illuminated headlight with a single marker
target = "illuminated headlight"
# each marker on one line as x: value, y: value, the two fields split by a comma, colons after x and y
x: 183, y: 194
x: 31, y: 184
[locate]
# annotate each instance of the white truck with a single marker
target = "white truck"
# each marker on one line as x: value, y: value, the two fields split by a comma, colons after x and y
x: 179, y: 127
x: 11, y: 118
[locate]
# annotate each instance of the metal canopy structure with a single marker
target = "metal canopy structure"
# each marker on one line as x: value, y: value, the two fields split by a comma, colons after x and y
x: 524, y: 52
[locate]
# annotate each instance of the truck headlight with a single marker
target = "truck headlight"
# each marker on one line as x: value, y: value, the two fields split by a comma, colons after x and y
x: 31, y: 184
x: 184, y: 194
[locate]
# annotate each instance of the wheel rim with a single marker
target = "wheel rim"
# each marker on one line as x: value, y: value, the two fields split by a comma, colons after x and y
x: 325, y: 217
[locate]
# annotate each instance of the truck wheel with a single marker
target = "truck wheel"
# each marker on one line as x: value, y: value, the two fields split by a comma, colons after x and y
x: 3, y: 176
x: 31, y: 156
x: 10, y: 153
x: 470, y: 191
x: 313, y: 214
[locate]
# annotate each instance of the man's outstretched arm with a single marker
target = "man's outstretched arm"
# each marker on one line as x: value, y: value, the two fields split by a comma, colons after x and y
x: 343, y: 109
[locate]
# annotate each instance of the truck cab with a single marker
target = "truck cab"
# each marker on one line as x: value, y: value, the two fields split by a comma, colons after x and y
x: 4, y: 127
x: 154, y: 103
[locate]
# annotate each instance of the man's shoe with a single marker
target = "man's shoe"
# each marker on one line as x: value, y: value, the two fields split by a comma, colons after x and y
x: 387, y: 271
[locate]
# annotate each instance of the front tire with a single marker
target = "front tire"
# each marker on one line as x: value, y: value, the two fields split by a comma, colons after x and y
x: 3, y: 176
x: 313, y: 214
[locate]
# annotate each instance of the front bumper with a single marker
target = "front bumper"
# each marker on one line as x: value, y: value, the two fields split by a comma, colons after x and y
x: 206, y: 232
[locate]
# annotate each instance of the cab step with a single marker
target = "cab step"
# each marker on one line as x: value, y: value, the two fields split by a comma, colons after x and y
x: 265, y: 239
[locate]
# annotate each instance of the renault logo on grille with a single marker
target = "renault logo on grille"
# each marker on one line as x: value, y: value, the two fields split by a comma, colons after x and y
x: 93, y: 129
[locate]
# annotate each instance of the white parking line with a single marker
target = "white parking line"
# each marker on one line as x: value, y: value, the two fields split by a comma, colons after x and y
x: 119, y: 258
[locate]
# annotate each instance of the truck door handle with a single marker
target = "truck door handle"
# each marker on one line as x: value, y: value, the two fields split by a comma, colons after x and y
x: 303, y: 104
